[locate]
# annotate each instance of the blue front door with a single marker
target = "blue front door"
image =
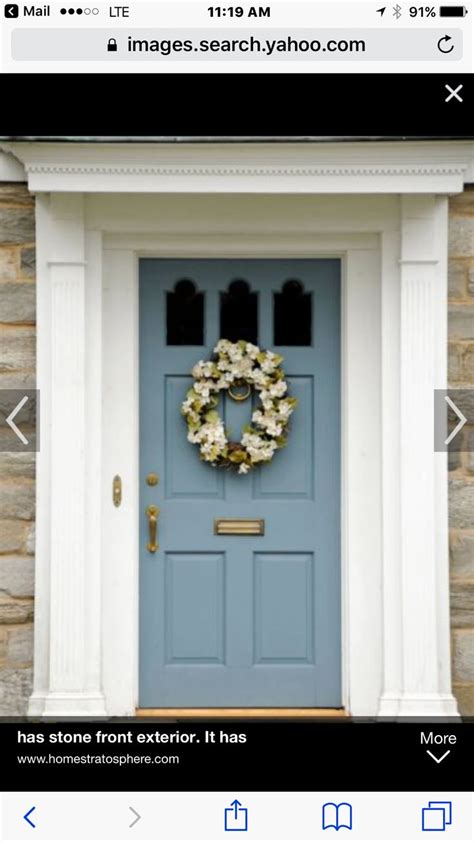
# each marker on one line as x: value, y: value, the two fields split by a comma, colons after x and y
x: 240, y: 620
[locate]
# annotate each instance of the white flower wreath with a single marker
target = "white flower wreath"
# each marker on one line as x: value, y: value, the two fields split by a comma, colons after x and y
x: 238, y: 364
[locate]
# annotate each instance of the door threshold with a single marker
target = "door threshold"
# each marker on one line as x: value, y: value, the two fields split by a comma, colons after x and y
x: 241, y: 713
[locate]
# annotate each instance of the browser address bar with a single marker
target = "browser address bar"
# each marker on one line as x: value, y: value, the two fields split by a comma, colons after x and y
x: 197, y: 45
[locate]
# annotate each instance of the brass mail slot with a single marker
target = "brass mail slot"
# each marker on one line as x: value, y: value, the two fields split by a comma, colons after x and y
x: 238, y: 526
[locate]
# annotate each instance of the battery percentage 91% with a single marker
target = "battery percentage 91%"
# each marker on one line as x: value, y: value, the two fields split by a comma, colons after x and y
x: 422, y: 12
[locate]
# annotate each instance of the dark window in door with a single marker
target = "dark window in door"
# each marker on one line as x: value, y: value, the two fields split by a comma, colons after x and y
x: 239, y: 313
x: 185, y: 315
x: 292, y: 315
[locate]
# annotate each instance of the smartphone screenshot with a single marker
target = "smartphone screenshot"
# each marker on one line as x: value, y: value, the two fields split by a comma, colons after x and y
x: 236, y: 421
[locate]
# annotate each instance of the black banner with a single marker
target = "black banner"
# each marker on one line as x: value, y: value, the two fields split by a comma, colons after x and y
x: 213, y: 756
x: 244, y: 105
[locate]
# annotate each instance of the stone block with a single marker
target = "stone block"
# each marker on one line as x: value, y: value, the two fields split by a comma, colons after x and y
x: 17, y: 466
x: 462, y: 556
x: 470, y: 451
x: 463, y: 202
x: 461, y: 236
x: 464, y: 694
x: 13, y: 611
x: 456, y: 279
x: 20, y: 646
x: 17, y: 225
x: 8, y: 264
x: 467, y: 364
x: 31, y: 539
x: 463, y: 655
x: 28, y: 262
x: 15, y: 193
x: 470, y: 282
x: 17, y: 500
x: 3, y: 645
x: 18, y: 348
x: 454, y: 363
x: 462, y: 604
x: 12, y: 535
x: 17, y: 379
x: 17, y: 575
x: 461, y: 322
x: 15, y: 688
x: 17, y: 303
x: 454, y: 458
x: 461, y: 504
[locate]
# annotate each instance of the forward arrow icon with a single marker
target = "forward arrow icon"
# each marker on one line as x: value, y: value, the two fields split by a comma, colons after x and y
x: 137, y: 817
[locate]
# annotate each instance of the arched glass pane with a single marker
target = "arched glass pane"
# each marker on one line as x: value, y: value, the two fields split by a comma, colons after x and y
x: 292, y: 315
x: 185, y: 315
x: 239, y: 313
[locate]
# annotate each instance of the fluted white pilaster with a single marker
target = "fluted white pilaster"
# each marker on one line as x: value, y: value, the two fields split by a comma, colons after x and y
x: 424, y: 638
x: 63, y: 684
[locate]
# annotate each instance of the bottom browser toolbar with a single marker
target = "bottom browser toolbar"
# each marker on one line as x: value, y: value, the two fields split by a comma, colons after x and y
x: 255, y: 815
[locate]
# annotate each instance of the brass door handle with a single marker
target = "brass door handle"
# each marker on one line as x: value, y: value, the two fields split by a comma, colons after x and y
x: 152, y: 514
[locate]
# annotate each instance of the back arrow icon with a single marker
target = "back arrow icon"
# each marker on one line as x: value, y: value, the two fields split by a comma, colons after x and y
x: 12, y: 424
x: 137, y: 819
x: 28, y: 819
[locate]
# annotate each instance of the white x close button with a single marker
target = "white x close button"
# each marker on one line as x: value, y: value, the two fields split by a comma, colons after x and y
x: 454, y: 93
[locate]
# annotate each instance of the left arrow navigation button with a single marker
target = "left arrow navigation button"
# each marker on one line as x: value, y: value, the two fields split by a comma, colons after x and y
x: 27, y: 817
x: 13, y: 414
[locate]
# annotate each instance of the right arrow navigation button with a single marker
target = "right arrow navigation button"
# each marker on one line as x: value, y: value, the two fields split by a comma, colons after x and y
x: 462, y: 419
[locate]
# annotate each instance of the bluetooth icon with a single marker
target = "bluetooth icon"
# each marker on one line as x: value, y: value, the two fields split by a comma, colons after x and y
x: 397, y: 11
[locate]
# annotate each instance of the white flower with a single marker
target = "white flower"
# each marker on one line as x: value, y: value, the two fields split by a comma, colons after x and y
x: 278, y: 389
x: 197, y: 370
x: 243, y: 468
x: 222, y: 346
x: 252, y: 350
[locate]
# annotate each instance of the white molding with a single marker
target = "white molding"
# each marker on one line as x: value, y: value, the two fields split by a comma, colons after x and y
x: 10, y: 168
x: 408, y: 166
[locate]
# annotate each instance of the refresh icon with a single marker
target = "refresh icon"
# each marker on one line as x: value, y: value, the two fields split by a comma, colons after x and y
x: 444, y: 46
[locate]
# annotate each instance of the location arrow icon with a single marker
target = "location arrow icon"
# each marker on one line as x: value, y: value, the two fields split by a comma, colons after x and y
x: 381, y: 11
x: 12, y: 424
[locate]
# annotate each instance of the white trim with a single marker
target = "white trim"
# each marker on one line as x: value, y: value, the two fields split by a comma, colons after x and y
x: 408, y: 166
x: 395, y: 615
x: 10, y: 168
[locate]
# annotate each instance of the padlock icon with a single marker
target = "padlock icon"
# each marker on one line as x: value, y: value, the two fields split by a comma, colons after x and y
x: 111, y: 45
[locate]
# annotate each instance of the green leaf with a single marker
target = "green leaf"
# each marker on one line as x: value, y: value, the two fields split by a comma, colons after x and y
x: 237, y: 456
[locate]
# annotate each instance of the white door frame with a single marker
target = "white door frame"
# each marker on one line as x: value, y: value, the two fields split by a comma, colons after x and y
x: 396, y: 657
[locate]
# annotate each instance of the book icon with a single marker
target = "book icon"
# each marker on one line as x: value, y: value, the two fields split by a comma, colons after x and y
x: 337, y: 815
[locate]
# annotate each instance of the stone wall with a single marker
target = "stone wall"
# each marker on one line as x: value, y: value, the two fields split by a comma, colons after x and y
x: 17, y: 470
x: 461, y: 461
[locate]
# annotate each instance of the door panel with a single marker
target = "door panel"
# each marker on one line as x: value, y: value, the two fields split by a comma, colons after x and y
x: 232, y: 620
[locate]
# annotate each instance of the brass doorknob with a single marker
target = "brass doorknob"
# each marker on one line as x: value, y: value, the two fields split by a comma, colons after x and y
x: 152, y: 513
